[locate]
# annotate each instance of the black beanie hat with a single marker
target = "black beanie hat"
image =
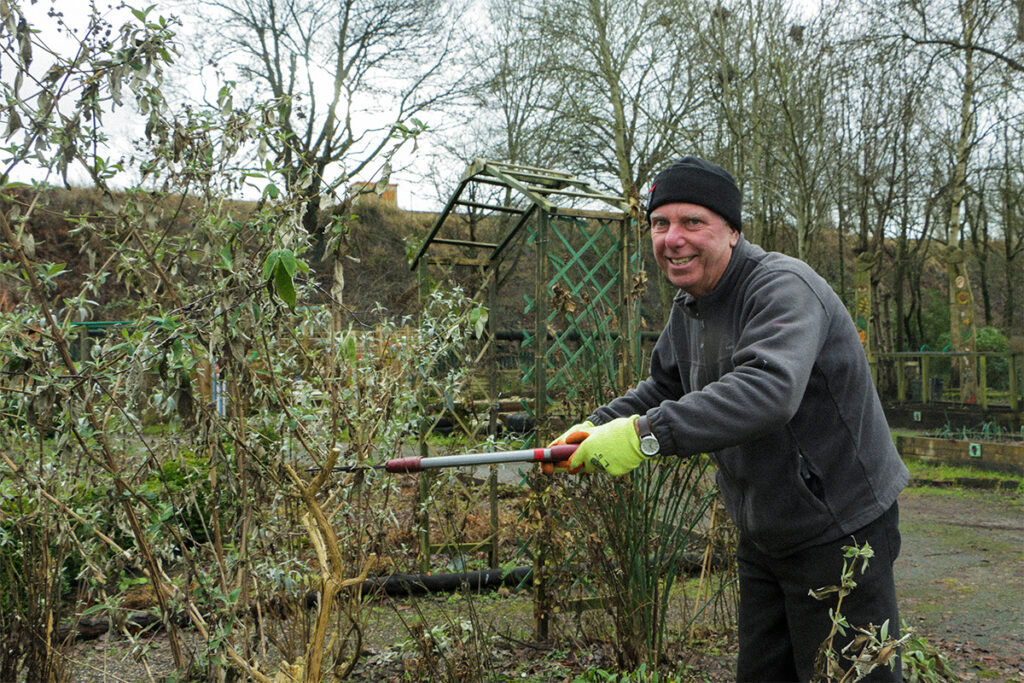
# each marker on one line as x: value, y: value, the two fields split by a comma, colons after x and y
x: 695, y: 181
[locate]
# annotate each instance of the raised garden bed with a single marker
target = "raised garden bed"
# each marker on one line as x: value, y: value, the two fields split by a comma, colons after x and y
x: 1001, y: 456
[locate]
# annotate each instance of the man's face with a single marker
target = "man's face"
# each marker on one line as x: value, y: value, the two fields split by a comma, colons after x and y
x: 692, y: 244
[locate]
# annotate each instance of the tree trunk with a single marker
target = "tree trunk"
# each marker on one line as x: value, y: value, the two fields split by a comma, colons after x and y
x: 961, y: 295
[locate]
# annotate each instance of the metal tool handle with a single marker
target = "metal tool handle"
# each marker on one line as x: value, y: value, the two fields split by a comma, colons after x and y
x: 418, y: 463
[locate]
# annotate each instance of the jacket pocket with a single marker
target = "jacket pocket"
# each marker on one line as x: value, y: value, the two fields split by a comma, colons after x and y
x: 810, y: 479
x: 774, y: 495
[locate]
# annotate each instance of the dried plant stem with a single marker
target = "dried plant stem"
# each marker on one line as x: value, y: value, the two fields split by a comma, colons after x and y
x: 705, y: 569
x: 332, y: 566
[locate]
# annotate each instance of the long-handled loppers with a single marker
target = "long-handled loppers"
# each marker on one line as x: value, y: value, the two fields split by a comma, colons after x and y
x: 418, y: 463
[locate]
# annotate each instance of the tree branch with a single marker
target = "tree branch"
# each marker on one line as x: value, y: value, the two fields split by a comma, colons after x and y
x: 956, y: 45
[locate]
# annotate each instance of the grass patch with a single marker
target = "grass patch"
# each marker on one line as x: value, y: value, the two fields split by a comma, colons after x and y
x: 958, y: 475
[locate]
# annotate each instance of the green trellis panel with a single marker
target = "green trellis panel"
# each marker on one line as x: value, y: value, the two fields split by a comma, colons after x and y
x: 586, y: 323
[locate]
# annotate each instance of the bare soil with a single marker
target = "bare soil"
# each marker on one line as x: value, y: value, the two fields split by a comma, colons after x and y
x: 960, y: 577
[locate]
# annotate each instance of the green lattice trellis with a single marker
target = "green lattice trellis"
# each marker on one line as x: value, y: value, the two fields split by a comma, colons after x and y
x: 583, y: 308
x: 585, y: 321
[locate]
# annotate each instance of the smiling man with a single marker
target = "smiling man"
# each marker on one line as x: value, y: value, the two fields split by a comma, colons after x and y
x: 761, y: 366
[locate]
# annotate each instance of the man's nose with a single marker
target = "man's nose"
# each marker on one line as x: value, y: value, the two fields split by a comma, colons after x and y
x: 675, y: 235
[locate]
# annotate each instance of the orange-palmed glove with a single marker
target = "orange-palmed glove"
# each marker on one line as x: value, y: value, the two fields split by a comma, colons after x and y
x: 573, y: 434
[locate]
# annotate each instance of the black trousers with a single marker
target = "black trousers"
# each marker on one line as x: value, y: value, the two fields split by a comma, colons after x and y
x: 781, y: 626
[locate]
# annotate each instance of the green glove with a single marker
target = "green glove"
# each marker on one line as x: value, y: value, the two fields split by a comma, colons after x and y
x: 573, y: 434
x: 613, y: 447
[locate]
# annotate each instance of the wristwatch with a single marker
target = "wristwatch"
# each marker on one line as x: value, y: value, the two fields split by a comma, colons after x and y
x: 649, y: 445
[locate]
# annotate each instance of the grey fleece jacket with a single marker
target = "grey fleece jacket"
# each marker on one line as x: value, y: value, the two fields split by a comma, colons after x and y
x: 768, y: 374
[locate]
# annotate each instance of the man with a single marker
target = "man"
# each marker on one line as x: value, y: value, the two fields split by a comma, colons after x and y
x: 760, y: 364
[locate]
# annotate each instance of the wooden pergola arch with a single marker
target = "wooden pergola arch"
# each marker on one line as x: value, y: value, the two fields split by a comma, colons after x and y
x: 583, y: 247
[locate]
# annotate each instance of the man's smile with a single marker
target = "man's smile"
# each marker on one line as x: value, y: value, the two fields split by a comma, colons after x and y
x: 682, y: 260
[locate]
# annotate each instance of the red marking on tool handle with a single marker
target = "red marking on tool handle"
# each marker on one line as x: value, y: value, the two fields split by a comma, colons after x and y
x: 404, y: 465
x: 563, y: 452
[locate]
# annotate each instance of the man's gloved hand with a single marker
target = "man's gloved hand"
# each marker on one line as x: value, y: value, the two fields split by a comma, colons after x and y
x: 573, y: 434
x: 613, y: 447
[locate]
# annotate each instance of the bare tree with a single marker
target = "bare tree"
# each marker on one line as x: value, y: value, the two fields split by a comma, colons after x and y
x: 348, y: 78
x: 803, y: 72
x: 883, y: 180
x: 969, y: 46
x: 513, y: 81
x: 621, y: 85
x: 736, y: 125
x: 1010, y: 209
x: 934, y: 28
